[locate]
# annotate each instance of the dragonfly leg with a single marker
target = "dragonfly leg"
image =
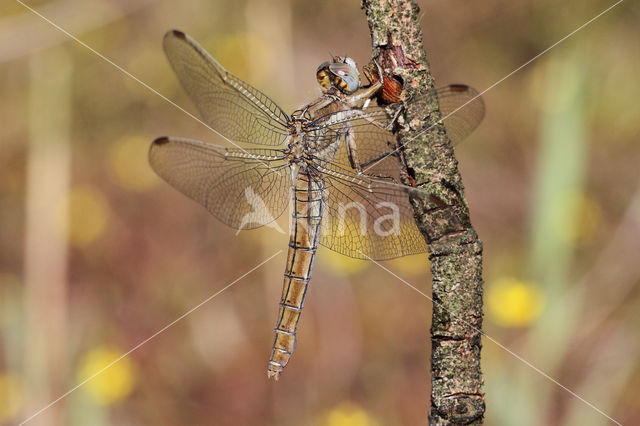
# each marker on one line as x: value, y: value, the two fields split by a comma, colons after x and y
x: 363, y: 95
x: 378, y: 159
x: 352, y: 152
x: 354, y: 159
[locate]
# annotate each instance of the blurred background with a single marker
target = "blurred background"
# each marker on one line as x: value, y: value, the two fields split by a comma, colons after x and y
x: 97, y: 254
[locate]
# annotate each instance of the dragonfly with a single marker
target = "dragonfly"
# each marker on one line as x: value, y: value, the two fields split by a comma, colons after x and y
x: 334, y: 162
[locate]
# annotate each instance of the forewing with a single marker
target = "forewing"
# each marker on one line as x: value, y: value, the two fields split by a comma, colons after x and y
x: 232, y: 107
x: 244, y: 189
x: 460, y: 105
x: 375, y: 144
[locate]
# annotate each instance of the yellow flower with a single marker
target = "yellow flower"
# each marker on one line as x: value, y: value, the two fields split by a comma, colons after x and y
x: 11, y: 396
x: 128, y: 162
x: 88, y: 215
x: 514, y: 303
x: 112, y: 382
x: 348, y: 414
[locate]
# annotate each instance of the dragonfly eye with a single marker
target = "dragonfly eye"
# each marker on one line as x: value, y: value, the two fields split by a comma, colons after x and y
x: 342, y: 74
x: 323, y: 78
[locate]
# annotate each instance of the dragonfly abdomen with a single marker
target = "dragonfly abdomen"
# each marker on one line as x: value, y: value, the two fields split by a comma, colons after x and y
x: 303, y: 243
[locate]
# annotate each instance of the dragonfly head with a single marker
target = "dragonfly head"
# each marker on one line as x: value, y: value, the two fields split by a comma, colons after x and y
x: 341, y: 73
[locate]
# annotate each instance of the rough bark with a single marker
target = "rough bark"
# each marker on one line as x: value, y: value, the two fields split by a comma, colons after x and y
x: 442, y: 216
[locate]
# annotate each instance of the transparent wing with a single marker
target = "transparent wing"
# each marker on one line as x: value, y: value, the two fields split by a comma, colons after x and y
x: 461, y: 122
x: 372, y: 126
x: 369, y: 214
x: 375, y: 144
x: 234, y: 108
x: 367, y: 217
x: 244, y: 189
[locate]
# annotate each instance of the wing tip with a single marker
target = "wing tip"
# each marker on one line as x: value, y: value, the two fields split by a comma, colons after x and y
x: 457, y: 87
x: 176, y: 33
x: 162, y: 140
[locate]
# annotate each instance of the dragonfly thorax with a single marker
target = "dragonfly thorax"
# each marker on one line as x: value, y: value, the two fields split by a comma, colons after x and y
x: 295, y: 148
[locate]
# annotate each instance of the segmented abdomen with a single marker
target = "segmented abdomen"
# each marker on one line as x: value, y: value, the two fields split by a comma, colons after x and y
x: 303, y: 243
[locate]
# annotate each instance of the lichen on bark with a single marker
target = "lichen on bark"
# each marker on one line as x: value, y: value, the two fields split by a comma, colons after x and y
x: 441, y: 213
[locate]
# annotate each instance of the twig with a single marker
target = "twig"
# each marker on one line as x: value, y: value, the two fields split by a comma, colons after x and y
x: 442, y: 216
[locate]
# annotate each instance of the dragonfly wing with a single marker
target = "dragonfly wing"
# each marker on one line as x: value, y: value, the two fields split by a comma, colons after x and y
x: 367, y: 218
x: 370, y: 215
x: 375, y: 146
x: 232, y: 107
x: 371, y: 128
x: 244, y: 189
x: 462, y: 110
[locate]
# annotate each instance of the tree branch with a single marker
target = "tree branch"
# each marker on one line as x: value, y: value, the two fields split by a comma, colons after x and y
x: 442, y: 216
